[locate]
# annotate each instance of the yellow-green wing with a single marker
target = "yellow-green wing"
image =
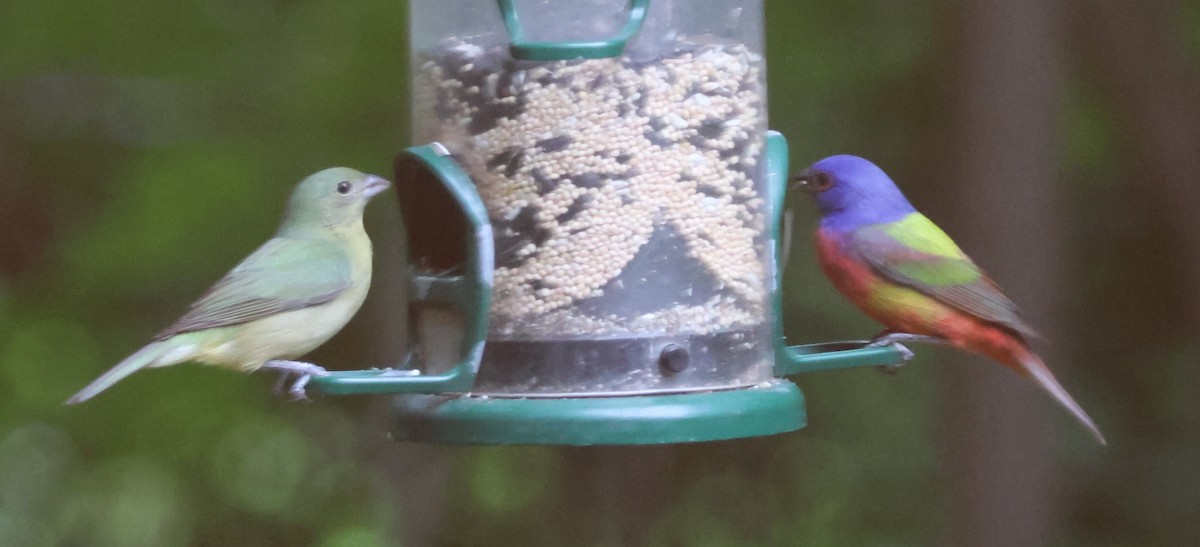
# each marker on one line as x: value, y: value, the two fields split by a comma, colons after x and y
x: 916, y: 253
x: 282, y: 275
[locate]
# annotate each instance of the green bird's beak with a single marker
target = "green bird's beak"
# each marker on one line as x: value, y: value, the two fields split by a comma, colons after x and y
x: 375, y: 185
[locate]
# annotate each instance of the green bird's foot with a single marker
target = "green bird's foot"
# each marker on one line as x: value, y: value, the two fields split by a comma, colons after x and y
x: 303, y: 372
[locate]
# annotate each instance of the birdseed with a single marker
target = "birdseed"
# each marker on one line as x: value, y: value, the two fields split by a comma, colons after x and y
x: 622, y: 192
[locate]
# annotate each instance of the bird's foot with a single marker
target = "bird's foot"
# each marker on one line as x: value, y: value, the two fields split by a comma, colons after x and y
x: 894, y: 339
x: 906, y: 355
x: 303, y: 372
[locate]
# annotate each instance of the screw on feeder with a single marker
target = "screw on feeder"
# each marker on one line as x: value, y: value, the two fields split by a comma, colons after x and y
x: 673, y: 358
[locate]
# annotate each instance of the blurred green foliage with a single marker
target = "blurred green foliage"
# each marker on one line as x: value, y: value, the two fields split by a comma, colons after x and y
x: 146, y: 146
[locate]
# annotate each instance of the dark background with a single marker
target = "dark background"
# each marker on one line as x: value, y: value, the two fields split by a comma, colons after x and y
x: 146, y: 146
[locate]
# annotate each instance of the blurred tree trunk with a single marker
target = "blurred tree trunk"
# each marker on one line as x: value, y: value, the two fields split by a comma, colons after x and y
x: 26, y: 213
x: 998, y: 430
x: 1136, y: 54
x: 616, y: 493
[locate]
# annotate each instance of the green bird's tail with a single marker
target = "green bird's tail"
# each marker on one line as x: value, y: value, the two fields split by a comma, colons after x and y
x: 143, y: 358
x: 1033, y: 366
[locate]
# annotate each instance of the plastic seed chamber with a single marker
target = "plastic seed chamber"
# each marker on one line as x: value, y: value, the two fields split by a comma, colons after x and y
x: 593, y: 228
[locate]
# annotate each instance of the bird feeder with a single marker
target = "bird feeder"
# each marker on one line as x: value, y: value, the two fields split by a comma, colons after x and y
x: 594, y: 230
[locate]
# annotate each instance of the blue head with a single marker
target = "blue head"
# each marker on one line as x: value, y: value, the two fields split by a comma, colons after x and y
x: 852, y: 192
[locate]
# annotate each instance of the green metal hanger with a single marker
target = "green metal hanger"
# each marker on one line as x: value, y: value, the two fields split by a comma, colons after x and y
x: 564, y: 51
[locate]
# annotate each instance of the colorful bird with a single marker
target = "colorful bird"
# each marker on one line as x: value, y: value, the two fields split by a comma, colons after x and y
x: 288, y: 297
x: 902, y: 270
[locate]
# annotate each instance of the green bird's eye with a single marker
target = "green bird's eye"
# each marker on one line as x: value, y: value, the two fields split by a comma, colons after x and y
x: 343, y: 187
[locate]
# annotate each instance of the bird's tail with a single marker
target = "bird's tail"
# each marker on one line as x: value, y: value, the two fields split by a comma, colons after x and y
x: 1031, y: 365
x: 143, y: 358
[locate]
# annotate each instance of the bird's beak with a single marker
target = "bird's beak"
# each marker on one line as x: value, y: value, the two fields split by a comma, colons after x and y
x: 803, y: 181
x: 375, y: 185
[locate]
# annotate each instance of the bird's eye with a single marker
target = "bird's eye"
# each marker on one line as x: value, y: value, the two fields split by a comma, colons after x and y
x: 822, y: 181
x: 343, y: 187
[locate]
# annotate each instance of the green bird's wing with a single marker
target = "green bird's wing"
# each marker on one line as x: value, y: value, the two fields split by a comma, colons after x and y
x: 916, y: 253
x: 282, y: 275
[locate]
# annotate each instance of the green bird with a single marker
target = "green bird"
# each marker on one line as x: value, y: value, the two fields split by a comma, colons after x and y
x: 288, y: 297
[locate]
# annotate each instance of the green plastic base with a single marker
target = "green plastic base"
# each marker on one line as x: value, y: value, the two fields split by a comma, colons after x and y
x: 768, y: 409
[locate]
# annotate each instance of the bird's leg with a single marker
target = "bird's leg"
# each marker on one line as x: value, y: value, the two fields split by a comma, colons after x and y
x: 297, y: 389
x: 303, y: 371
x: 281, y: 383
x: 894, y: 339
